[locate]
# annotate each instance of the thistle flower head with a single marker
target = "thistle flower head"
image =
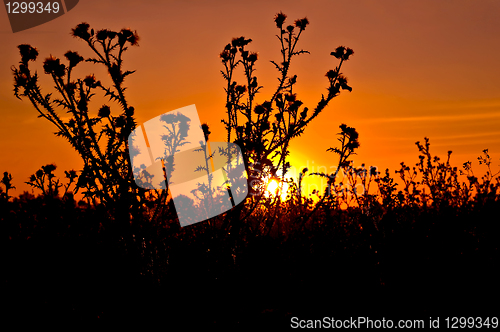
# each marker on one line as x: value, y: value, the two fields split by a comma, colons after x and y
x: 120, y: 121
x: 331, y: 74
x: 102, y: 34
x: 127, y: 35
x: 89, y: 81
x: 351, y: 134
x: 104, y: 111
x: 81, y: 31
x: 130, y: 111
x: 225, y: 55
x: 253, y: 57
x: 291, y: 97
x: 302, y: 23
x: 71, y: 174
x: 53, y: 66
x: 279, y: 19
x: 27, y: 53
x: 240, y: 89
x: 259, y: 109
x: 134, y: 39
x: 74, y: 58
x: 342, y: 52
x: 48, y: 169
x: 206, y: 131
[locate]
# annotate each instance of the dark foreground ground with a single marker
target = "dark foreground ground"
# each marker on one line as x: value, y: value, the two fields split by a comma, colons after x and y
x: 436, y: 265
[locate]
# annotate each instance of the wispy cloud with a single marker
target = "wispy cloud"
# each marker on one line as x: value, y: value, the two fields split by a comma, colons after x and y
x: 434, y: 118
x: 468, y: 136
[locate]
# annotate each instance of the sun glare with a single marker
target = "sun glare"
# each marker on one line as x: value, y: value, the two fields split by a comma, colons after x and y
x: 274, y: 188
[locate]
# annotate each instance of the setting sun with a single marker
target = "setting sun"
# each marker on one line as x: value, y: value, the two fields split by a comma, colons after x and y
x: 274, y: 188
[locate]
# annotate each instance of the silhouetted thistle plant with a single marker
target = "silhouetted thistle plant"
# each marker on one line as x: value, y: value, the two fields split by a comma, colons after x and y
x: 429, y: 184
x: 7, y: 182
x: 349, y: 143
x: 408, y: 176
x: 435, y: 184
x: 487, y: 187
x: 299, y: 183
x: 359, y: 181
x: 45, y: 180
x: 264, y: 129
x: 440, y: 178
x: 337, y: 194
x: 106, y: 175
x: 387, y: 187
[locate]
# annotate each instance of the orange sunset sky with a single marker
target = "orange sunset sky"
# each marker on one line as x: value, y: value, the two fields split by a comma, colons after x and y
x: 420, y: 68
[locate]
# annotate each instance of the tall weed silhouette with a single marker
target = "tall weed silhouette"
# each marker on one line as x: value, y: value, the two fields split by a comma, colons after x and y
x: 99, y: 137
x: 264, y: 127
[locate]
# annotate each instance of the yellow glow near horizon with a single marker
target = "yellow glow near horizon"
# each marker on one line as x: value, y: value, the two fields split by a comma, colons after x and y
x: 274, y: 188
